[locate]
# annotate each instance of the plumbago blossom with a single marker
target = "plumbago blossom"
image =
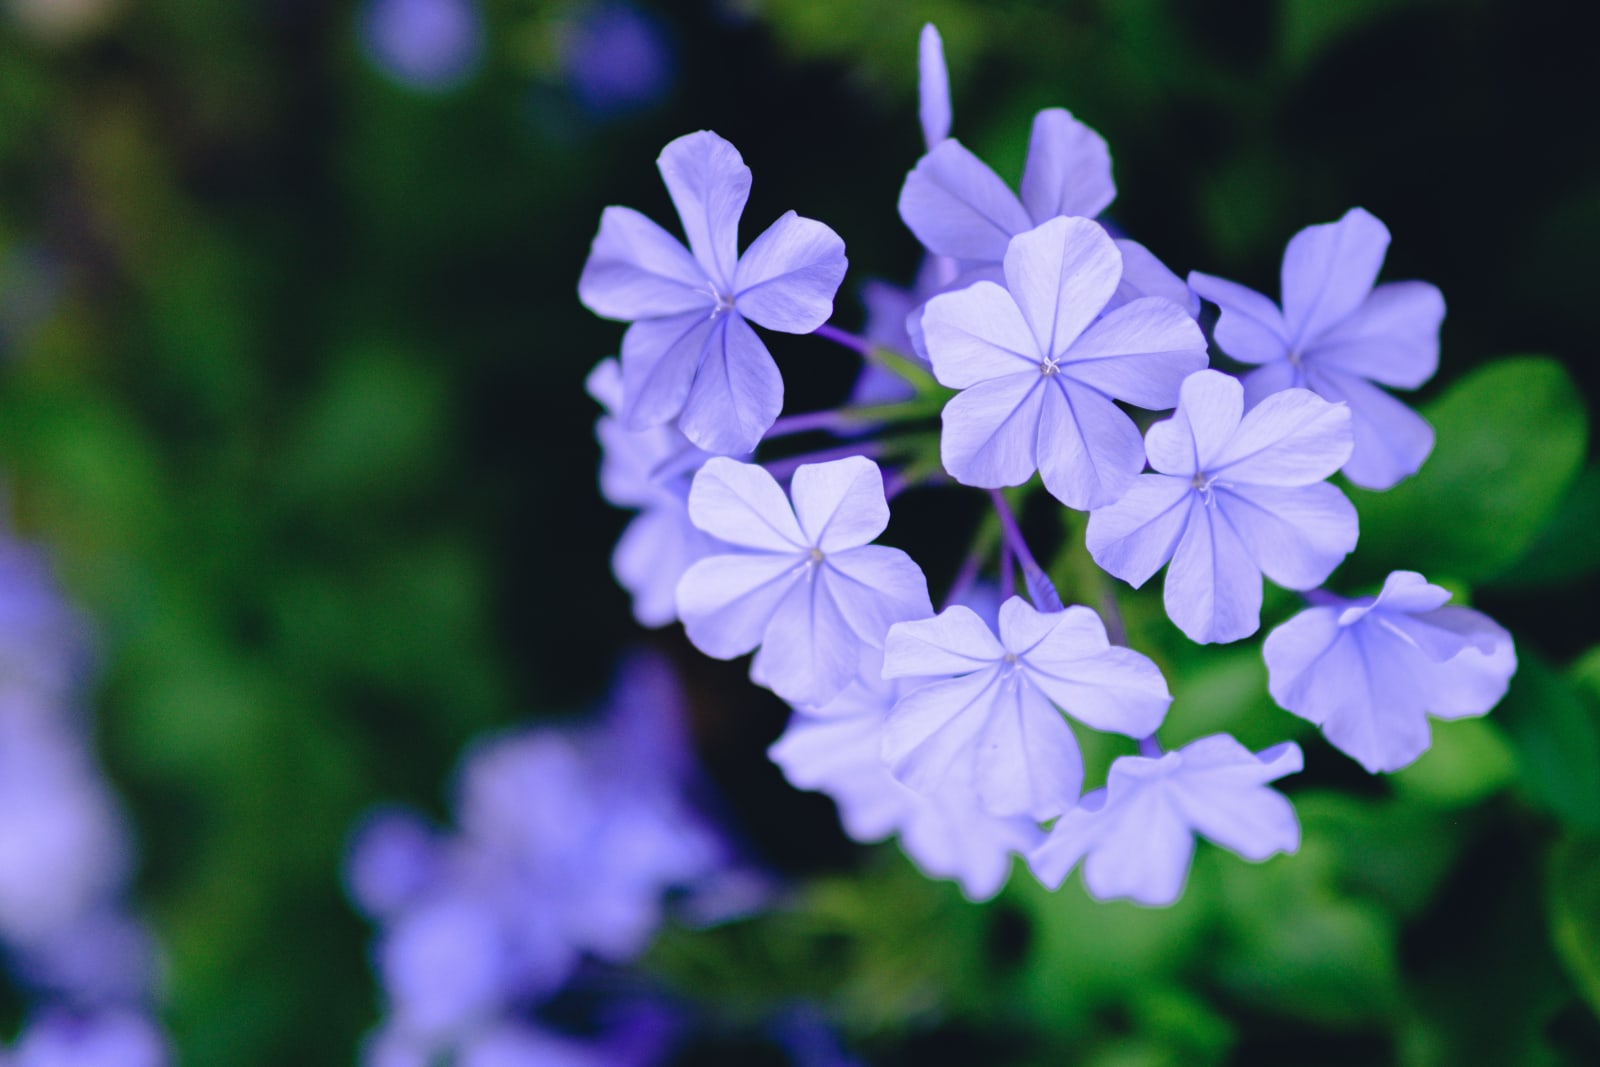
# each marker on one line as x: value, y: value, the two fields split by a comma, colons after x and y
x: 1337, y: 335
x: 959, y: 732
x: 1370, y: 671
x: 690, y: 355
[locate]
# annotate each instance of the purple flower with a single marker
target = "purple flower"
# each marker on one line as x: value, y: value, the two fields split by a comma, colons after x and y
x: 1138, y: 832
x: 690, y: 354
x: 1336, y: 336
x: 111, y: 1038
x: 430, y: 45
x: 394, y: 857
x: 1370, y: 671
x: 615, y: 57
x: 995, y: 716
x: 1039, y: 374
x: 651, y: 470
x: 933, y: 87
x: 838, y: 750
x: 1238, y: 494
x: 805, y: 583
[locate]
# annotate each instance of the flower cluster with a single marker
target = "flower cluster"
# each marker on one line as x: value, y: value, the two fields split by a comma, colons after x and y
x: 1038, y: 335
x: 66, y: 854
x: 569, y: 839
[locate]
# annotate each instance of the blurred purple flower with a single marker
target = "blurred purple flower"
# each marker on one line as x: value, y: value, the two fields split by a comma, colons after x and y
x: 615, y: 58
x: 428, y: 45
x: 112, y: 1038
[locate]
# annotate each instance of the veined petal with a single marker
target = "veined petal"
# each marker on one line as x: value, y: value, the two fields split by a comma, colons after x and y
x: 1328, y: 271
x: 709, y: 185
x: 1293, y: 651
x: 1410, y: 592
x: 840, y: 504
x: 1071, y: 838
x: 652, y: 554
x: 956, y: 206
x: 1213, y: 589
x: 876, y: 586
x: 659, y: 361
x: 935, y: 725
x: 1027, y: 759
x: 1132, y: 538
x: 1382, y: 720
x: 726, y: 601
x: 975, y: 334
x: 742, y: 504
x: 1296, y: 535
x: 1232, y: 806
x: 787, y: 278
x: 737, y: 392
x: 1390, y: 441
x: 955, y: 641
x: 1140, y: 353
x: 1291, y: 438
x: 1145, y: 855
x: 1392, y: 338
x: 1113, y: 689
x: 991, y: 431
x: 1271, y: 378
x: 1250, y: 328
x: 1068, y: 171
x: 1476, y: 678
x: 933, y: 87
x: 1061, y: 274
x: 1089, y: 451
x: 808, y: 653
x: 637, y: 270
x: 1145, y: 275
x: 1210, y: 405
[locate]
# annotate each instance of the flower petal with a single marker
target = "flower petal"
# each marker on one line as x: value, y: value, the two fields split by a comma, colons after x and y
x: 637, y: 270
x: 1390, y: 441
x: 1145, y: 275
x: 726, y: 601
x: 1027, y: 761
x: 1139, y: 353
x: 1213, y: 589
x: 1061, y: 274
x: 652, y: 554
x: 840, y: 504
x: 975, y: 334
x: 1296, y: 535
x: 1291, y: 438
x: 659, y: 361
x: 933, y: 87
x: 787, y: 278
x: 1071, y: 838
x: 1210, y: 405
x: 1068, y: 171
x: 808, y: 653
x: 956, y: 206
x: 1476, y: 678
x: 1392, y: 338
x: 737, y: 392
x: 876, y: 586
x: 953, y: 642
x: 1089, y: 450
x: 1113, y: 689
x: 991, y: 431
x: 1145, y: 857
x: 1250, y: 328
x: 709, y: 184
x: 1328, y: 271
x: 1135, y: 536
x: 935, y: 725
x: 742, y: 504
x: 1229, y: 803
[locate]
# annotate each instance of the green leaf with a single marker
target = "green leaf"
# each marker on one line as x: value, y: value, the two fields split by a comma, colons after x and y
x: 1565, y: 549
x: 1554, y: 728
x: 1572, y: 894
x: 1510, y: 440
x: 1467, y: 761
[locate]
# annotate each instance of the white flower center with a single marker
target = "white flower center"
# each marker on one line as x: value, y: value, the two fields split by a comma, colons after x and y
x: 1049, y: 367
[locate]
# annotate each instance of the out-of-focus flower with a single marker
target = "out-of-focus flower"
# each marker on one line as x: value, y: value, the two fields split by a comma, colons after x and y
x: 112, y: 1038
x: 428, y: 45
x: 615, y: 58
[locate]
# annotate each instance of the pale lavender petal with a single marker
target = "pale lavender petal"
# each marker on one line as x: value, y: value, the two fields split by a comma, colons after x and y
x: 742, y: 504
x: 787, y: 278
x: 1475, y: 679
x: 840, y: 755
x: 1068, y: 171
x: 1390, y: 441
x: 659, y: 361
x: 1088, y: 448
x: 637, y: 270
x: 1145, y: 275
x: 1410, y: 592
x: 655, y: 550
x: 840, y: 504
x: 1293, y: 653
x: 933, y: 726
x: 709, y: 185
x: 1328, y: 271
x: 1296, y: 535
x: 1061, y: 274
x: 1145, y: 857
x: 1022, y: 626
x: 1210, y: 405
x: 737, y: 392
x: 950, y: 835
x: 1251, y: 328
x: 1135, y: 536
x: 933, y: 87
x: 991, y: 431
x: 954, y: 641
x: 1027, y: 760
x: 1071, y: 838
x: 1140, y: 353
x: 1382, y: 723
x: 1392, y: 338
x: 1291, y: 438
x: 1248, y: 819
x: 875, y: 587
x: 1271, y: 378
x: 972, y: 335
x: 1213, y: 589
x: 725, y: 602
x: 956, y: 206
x: 1113, y: 689
x: 808, y: 652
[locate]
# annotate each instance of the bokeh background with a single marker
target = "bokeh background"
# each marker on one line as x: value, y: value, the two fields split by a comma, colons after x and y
x: 291, y: 389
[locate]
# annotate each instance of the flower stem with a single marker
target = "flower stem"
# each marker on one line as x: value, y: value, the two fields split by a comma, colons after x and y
x: 860, y: 345
x: 785, y: 467
x: 1040, y: 589
x: 1149, y: 747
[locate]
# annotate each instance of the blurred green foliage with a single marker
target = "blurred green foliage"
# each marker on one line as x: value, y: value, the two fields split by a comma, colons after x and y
x: 295, y: 400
